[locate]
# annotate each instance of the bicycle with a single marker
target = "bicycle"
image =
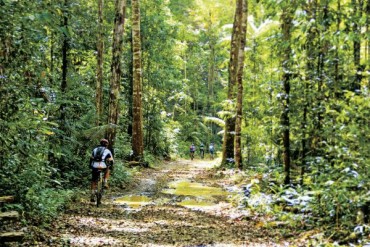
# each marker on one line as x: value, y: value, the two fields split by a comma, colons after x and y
x: 100, y: 186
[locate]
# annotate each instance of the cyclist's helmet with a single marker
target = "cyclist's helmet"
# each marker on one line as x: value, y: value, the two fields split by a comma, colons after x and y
x: 104, y: 142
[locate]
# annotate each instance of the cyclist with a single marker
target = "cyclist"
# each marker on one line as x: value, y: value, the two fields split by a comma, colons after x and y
x: 192, y: 150
x: 201, y: 150
x: 101, y: 158
x: 212, y: 150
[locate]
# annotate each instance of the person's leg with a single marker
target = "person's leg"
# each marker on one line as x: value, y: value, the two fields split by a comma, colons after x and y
x: 94, y: 180
x: 106, y: 177
x: 93, y: 185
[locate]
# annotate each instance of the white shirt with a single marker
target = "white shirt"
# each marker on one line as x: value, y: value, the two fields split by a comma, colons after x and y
x: 102, y: 164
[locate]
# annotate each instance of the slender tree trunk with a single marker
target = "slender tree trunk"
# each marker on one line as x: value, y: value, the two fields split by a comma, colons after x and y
x: 114, y: 94
x: 211, y: 65
x: 211, y: 76
x: 239, y: 81
x: 336, y: 61
x: 367, y: 12
x: 129, y: 91
x: 51, y: 57
x: 137, y: 125
x: 148, y: 111
x: 310, y: 68
x: 64, y: 85
x: 357, y: 45
x: 99, y: 71
x: 228, y: 142
x: 286, y: 27
x: 65, y: 49
x: 357, y: 10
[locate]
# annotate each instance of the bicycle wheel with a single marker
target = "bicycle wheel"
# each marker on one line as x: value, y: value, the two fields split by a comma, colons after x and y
x: 100, y: 188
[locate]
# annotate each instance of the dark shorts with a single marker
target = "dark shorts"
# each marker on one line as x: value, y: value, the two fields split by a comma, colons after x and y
x: 95, y: 173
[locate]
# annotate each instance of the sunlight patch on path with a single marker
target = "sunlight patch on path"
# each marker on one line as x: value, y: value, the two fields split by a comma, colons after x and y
x: 205, y: 164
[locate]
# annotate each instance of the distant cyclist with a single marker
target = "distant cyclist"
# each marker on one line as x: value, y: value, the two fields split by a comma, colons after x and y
x: 201, y: 150
x: 101, y: 159
x: 192, y: 151
x: 212, y: 150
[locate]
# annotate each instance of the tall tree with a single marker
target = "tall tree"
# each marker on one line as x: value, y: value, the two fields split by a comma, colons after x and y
x: 357, y: 15
x: 311, y: 8
x: 99, y: 70
x: 211, y: 64
x: 286, y: 28
x: 137, y: 124
x: 114, y: 95
x: 228, y: 143
x: 65, y: 49
x: 239, y: 81
x: 367, y: 48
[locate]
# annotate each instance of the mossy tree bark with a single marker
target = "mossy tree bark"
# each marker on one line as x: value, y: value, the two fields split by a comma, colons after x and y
x: 229, y: 131
x: 137, y: 124
x: 286, y: 26
x: 239, y: 81
x: 114, y: 94
x: 99, y: 70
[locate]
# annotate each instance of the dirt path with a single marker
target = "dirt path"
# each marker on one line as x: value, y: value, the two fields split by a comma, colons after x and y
x: 179, y: 204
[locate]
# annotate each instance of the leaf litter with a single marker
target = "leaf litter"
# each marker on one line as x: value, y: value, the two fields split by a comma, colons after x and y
x: 180, y: 203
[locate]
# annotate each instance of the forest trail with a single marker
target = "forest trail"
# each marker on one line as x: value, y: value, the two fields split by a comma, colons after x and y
x: 180, y: 203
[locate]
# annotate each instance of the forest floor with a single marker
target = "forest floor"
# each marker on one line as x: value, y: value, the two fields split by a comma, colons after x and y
x: 179, y: 203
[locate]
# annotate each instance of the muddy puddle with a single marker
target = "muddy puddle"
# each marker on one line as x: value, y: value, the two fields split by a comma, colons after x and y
x: 133, y: 201
x: 192, y: 194
x: 188, y: 188
x: 197, y: 195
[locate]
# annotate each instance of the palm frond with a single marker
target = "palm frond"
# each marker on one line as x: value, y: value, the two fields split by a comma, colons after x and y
x: 214, y: 120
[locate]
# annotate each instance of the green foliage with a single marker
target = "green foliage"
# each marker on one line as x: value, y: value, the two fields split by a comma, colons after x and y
x: 42, y: 205
x: 120, y: 176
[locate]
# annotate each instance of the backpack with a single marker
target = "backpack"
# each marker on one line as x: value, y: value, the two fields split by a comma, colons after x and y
x: 98, y: 154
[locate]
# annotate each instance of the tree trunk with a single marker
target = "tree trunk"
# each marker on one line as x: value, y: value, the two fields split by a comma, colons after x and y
x: 119, y: 21
x: 239, y: 81
x: 357, y: 11
x: 286, y: 19
x: 137, y: 124
x: 99, y: 71
x: 65, y: 48
x: 336, y: 61
x: 367, y: 12
x: 228, y: 142
x: 211, y: 66
x: 211, y: 77
x: 311, y: 54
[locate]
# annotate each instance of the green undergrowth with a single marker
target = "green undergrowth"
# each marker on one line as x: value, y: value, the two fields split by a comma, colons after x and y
x: 315, y: 215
